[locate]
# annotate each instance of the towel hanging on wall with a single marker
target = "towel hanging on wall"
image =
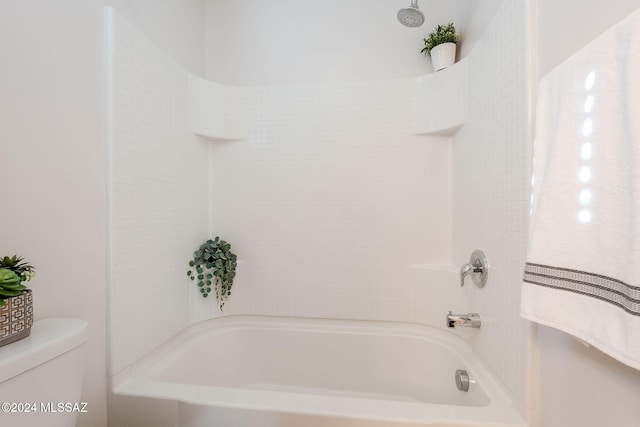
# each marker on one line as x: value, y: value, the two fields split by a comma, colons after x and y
x: 582, y: 274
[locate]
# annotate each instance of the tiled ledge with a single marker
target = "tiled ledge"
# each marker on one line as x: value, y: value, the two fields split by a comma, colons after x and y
x: 441, y: 108
x: 436, y: 102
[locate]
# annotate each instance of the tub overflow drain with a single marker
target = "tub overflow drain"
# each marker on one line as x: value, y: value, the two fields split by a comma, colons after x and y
x: 462, y: 380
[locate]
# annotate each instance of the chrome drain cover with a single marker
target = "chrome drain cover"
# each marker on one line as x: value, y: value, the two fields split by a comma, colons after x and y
x: 462, y: 380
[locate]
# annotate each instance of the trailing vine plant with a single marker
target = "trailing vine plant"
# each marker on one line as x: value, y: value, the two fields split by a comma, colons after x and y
x: 214, y: 265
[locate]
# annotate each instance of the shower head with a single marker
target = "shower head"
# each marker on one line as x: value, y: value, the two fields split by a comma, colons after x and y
x: 411, y: 16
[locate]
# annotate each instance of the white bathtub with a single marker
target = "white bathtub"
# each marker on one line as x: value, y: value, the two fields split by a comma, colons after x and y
x: 286, y: 372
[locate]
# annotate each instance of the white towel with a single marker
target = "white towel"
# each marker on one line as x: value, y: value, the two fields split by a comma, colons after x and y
x: 583, y: 263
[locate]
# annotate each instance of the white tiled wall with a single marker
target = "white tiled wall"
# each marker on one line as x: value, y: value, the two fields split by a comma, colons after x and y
x: 159, y: 194
x: 330, y: 198
x: 491, y: 174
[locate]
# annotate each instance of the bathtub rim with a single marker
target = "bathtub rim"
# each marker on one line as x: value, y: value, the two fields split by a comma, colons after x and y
x: 503, y: 408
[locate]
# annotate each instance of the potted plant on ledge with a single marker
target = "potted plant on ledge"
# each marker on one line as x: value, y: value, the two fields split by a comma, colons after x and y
x: 16, y: 302
x: 441, y: 45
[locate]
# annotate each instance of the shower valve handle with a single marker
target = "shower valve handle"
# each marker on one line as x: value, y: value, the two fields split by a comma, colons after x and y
x: 477, y: 268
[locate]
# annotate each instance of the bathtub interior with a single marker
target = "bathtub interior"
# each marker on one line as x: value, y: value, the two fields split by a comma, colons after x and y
x: 348, y: 362
x: 386, y: 372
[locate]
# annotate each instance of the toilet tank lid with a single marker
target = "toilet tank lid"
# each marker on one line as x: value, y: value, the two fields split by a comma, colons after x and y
x: 49, y: 338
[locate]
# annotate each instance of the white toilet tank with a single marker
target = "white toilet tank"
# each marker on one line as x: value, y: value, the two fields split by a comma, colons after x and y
x: 41, y: 375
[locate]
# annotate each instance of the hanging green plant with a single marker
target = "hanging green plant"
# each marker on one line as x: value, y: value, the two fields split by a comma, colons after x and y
x: 214, y: 265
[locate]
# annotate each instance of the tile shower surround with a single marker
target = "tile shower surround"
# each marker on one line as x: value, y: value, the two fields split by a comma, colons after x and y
x: 491, y: 187
x: 158, y: 197
x: 334, y: 204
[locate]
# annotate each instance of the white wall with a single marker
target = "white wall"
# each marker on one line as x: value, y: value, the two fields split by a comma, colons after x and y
x: 491, y: 158
x: 258, y: 42
x: 176, y: 26
x: 566, y: 26
x: 580, y: 386
x: 53, y: 166
x: 54, y: 156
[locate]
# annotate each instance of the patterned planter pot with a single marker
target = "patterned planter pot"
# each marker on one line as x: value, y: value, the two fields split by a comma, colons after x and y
x: 16, y: 318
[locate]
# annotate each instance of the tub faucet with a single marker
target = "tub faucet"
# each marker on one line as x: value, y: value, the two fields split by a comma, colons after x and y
x: 469, y: 320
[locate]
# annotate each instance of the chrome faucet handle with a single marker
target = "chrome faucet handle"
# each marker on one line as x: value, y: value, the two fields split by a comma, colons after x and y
x: 477, y: 268
x: 465, y: 270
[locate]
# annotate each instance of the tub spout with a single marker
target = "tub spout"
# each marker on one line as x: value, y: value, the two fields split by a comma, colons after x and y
x: 469, y: 320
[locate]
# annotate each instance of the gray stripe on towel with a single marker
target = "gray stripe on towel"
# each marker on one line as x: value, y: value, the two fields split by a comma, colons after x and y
x: 607, y: 289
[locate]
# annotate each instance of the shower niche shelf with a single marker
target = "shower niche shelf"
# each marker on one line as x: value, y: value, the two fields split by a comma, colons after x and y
x: 214, y: 111
x: 441, y: 108
x: 440, y: 131
x: 218, y: 138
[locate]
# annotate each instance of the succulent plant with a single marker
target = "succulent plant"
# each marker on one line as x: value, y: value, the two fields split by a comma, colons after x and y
x: 10, y: 285
x: 442, y: 34
x: 13, y: 271
x: 16, y: 264
x: 214, y: 265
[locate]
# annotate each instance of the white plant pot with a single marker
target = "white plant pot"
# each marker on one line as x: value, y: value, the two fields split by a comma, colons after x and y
x: 443, y: 56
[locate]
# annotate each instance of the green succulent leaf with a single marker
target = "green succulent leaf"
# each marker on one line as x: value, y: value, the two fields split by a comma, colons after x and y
x: 15, y: 270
